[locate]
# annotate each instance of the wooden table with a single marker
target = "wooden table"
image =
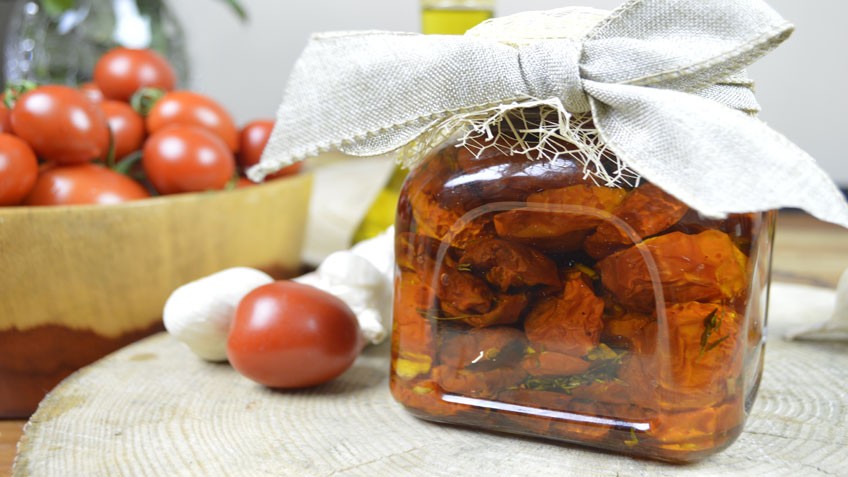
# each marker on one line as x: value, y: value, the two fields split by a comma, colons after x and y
x: 10, y: 432
x: 806, y: 251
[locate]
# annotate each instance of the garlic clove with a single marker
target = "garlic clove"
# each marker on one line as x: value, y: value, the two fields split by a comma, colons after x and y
x: 347, y: 268
x: 371, y: 325
x: 380, y: 251
x: 199, y: 313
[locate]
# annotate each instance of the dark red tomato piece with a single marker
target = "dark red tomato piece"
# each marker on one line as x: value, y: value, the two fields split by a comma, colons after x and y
x: 243, y: 182
x: 289, y: 335
x: 194, y: 109
x: 83, y: 184
x: 127, y: 127
x: 18, y: 169
x: 286, y: 171
x: 93, y: 93
x: 252, y: 140
x: 122, y: 71
x: 61, y: 124
x: 187, y: 159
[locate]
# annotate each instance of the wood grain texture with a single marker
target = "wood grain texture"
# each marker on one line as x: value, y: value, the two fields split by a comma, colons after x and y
x: 109, y: 269
x: 808, y: 250
x: 34, y: 361
x: 154, y: 409
x: 81, y: 281
x: 10, y: 432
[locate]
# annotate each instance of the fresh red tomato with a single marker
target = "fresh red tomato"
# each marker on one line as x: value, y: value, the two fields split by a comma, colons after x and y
x: 83, y: 184
x: 18, y: 169
x: 122, y: 71
x: 93, y: 93
x: 187, y: 159
x: 127, y: 127
x: 289, y: 335
x: 252, y: 140
x: 189, y: 108
x: 61, y: 124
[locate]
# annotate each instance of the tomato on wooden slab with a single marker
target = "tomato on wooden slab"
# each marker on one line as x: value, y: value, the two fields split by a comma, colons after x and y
x: 290, y: 335
x: 18, y: 169
x: 61, y: 124
x: 188, y: 108
x: 122, y: 71
x: 187, y: 159
x: 83, y: 184
x: 127, y: 127
x: 253, y: 138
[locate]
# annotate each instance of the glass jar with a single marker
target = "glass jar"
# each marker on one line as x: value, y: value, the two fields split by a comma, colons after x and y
x: 62, y: 48
x: 530, y: 300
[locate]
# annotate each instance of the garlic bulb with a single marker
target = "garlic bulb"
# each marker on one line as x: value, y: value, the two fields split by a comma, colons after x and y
x: 199, y: 313
x: 362, y: 278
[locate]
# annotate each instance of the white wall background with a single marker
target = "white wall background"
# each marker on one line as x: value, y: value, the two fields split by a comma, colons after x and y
x: 803, y: 85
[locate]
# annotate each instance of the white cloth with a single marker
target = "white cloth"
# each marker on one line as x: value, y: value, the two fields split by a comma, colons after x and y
x: 660, y: 77
x: 342, y: 191
x: 833, y: 329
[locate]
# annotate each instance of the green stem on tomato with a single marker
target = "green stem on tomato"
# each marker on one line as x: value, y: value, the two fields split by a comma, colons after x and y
x: 144, y: 99
x: 16, y: 90
x: 124, y: 166
x: 233, y: 182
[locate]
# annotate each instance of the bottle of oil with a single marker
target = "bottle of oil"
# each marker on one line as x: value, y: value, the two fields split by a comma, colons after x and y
x: 438, y: 17
x: 453, y: 17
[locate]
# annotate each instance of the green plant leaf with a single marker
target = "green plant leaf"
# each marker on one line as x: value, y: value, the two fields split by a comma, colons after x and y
x: 54, y: 8
x: 711, y: 323
x: 237, y: 8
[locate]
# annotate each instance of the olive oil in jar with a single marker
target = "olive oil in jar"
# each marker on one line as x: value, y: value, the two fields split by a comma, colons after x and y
x: 438, y: 17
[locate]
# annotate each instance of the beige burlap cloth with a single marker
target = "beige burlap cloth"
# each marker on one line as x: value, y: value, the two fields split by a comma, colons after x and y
x: 662, y: 80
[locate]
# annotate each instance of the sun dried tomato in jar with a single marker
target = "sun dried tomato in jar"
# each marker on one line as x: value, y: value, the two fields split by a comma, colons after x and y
x: 531, y: 298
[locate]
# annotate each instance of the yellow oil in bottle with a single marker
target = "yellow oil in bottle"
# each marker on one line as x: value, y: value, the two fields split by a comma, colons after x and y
x: 438, y: 17
x: 452, y: 21
x: 381, y: 214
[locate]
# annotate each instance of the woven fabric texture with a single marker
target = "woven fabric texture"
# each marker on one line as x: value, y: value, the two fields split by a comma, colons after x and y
x: 662, y: 79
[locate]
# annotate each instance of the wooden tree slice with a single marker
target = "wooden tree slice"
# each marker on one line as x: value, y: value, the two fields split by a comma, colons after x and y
x: 153, y: 408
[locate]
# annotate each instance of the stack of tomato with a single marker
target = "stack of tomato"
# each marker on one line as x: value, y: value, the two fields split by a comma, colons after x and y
x: 125, y: 136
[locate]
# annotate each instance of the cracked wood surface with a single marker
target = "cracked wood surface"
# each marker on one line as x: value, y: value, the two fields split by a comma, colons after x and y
x: 154, y: 409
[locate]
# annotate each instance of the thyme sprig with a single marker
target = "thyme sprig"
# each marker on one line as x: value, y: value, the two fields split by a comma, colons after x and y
x: 711, y: 323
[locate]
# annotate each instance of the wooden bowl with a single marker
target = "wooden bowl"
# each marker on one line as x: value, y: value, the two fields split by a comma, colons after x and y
x: 78, y: 282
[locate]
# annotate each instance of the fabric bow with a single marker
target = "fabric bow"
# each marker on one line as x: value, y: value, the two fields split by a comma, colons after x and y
x: 661, y: 79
